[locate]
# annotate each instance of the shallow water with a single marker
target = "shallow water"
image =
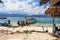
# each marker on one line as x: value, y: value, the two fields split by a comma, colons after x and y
x: 46, y: 21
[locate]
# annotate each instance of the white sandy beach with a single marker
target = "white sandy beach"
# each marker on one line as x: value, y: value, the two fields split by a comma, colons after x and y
x: 24, y: 36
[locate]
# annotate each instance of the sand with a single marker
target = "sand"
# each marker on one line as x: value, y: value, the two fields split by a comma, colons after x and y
x: 10, y: 33
x: 32, y: 36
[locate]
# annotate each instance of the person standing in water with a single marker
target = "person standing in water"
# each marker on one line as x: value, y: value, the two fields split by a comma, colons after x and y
x: 27, y: 22
x: 22, y: 24
x: 18, y: 23
x: 9, y: 22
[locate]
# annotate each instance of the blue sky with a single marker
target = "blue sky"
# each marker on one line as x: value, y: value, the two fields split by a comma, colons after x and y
x: 22, y: 6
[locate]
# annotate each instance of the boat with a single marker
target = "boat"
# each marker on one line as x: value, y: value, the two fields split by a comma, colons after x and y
x: 3, y: 17
x: 32, y: 20
x: 5, y: 24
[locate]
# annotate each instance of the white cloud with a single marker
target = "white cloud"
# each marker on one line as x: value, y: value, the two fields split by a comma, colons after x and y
x: 21, y: 6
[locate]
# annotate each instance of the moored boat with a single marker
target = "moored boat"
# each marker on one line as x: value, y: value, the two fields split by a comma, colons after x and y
x: 32, y: 20
x: 3, y: 17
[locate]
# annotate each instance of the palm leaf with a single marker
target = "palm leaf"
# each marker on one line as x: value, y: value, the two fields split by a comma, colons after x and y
x: 1, y: 1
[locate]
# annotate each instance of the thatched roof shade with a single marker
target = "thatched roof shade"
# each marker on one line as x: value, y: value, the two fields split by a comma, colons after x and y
x: 43, y: 2
x: 53, y: 11
x: 52, y: 2
x: 57, y: 4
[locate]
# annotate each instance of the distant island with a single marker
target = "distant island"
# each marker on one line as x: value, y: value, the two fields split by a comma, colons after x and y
x: 22, y: 15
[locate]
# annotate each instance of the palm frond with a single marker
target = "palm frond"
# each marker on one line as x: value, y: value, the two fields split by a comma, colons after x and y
x: 1, y: 1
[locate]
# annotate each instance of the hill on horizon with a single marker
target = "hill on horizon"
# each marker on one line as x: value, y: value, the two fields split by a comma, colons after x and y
x: 22, y: 15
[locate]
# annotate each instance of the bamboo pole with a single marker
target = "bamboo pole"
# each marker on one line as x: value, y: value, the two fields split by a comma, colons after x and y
x: 54, y: 31
x: 53, y: 25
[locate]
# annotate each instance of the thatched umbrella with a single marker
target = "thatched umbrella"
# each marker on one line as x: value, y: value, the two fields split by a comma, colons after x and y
x: 54, y: 12
x: 42, y: 2
x: 52, y: 2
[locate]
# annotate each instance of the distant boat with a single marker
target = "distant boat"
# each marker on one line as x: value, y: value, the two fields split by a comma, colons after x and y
x: 4, y: 24
x: 32, y: 20
x: 3, y: 17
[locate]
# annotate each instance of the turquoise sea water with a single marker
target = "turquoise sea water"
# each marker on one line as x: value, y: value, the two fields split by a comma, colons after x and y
x: 46, y: 21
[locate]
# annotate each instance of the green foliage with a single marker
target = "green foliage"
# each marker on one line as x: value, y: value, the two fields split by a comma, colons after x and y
x: 26, y: 31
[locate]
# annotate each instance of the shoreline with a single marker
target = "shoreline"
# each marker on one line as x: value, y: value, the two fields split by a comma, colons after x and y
x: 39, y: 24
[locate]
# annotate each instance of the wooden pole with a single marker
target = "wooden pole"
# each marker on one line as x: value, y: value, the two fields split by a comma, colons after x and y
x: 53, y: 25
x: 54, y: 31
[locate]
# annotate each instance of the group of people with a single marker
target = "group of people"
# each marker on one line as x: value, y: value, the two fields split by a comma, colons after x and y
x: 22, y: 23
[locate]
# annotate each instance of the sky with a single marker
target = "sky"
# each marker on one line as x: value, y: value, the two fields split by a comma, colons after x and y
x: 23, y: 7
